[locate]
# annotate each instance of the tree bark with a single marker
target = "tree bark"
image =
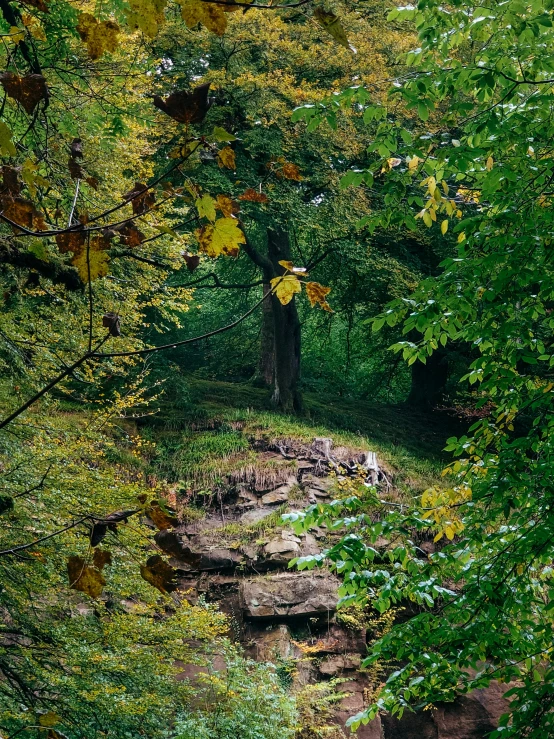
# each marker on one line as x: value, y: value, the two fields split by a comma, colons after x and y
x: 267, y: 353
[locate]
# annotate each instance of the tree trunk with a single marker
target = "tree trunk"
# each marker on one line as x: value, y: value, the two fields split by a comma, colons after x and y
x: 285, y: 361
x: 266, y: 376
x: 429, y: 380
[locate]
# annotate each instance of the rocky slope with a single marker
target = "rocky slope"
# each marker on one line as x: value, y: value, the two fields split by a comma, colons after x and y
x: 237, y: 556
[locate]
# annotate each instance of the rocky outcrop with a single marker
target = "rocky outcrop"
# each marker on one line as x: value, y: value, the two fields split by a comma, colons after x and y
x: 289, y: 595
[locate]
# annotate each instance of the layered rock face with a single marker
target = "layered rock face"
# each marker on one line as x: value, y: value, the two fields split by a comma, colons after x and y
x: 238, y: 558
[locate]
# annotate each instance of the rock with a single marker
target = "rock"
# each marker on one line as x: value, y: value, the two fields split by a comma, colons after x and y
x: 410, y: 726
x: 338, y: 662
x: 472, y: 716
x: 177, y: 546
x: 373, y: 730
x: 269, y: 646
x: 282, y: 549
x: 219, y: 559
x: 309, y: 545
x: 304, y: 464
x: 322, y: 445
x: 258, y: 514
x: 250, y: 551
x: 281, y: 494
x: 247, y: 499
x: 339, y: 640
x: 289, y: 595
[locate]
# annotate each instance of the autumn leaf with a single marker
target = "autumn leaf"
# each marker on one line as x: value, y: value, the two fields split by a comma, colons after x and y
x: 171, y: 543
x: 7, y: 147
x: 158, y: 573
x: 206, y: 207
x: 38, y: 4
x: 227, y: 206
x: 317, y: 294
x: 85, y: 578
x: 22, y: 212
x: 254, y: 196
x: 147, y: 15
x: 71, y: 241
x: 285, y: 287
x: 48, y: 719
x: 160, y: 515
x: 10, y: 180
x: 286, y: 264
x: 290, y: 171
x: 101, y: 558
x: 222, y: 237
x: 192, y: 261
x: 34, y: 27
x: 141, y: 198
x: 226, y: 158
x: 130, y: 235
x: 112, y: 322
x: 331, y: 23
x: 75, y: 169
x: 186, y: 107
x: 99, y: 36
x: 92, y: 263
x: 210, y: 15
x: 28, y: 90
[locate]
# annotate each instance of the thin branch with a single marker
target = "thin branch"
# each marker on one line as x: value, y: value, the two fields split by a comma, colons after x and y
x: 74, y: 202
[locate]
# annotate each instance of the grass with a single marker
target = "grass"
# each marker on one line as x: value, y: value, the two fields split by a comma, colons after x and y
x: 209, y: 438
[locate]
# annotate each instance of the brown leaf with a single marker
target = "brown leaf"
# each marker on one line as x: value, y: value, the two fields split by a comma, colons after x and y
x: 141, y: 199
x: 28, y: 90
x: 290, y: 171
x: 71, y: 241
x: 10, y: 180
x: 226, y: 158
x: 192, y: 261
x: 76, y: 148
x: 112, y: 322
x: 317, y: 294
x: 92, y: 260
x: 98, y: 36
x: 158, y: 573
x: 161, y: 516
x: 23, y: 212
x: 38, y: 4
x: 186, y: 107
x: 227, y: 206
x: 130, y: 235
x: 85, y: 578
x: 92, y: 182
x: 75, y: 169
x: 171, y: 543
x: 101, y: 557
x: 254, y: 196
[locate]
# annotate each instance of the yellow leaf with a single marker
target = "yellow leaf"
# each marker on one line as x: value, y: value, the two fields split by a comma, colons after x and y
x: 290, y: 171
x: 439, y: 536
x: 99, y: 37
x: 450, y: 533
x: 85, y: 578
x: 433, y: 214
x: 285, y: 287
x: 206, y: 207
x: 287, y: 265
x: 34, y: 27
x: 7, y: 147
x: 444, y: 187
x: 331, y: 23
x: 96, y: 263
x: 461, y: 237
x: 222, y: 237
x: 413, y: 162
x: 444, y: 226
x: 148, y: 15
x: 49, y: 719
x: 16, y: 34
x: 227, y: 206
x: 489, y: 164
x: 427, y: 219
x: 317, y: 294
x: 226, y: 158
x: 211, y: 16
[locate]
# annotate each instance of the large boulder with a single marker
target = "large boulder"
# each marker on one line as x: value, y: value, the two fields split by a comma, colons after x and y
x: 289, y: 595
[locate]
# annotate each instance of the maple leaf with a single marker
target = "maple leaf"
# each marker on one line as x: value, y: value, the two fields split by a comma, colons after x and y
x: 23, y: 212
x: 141, y: 199
x: 158, y: 573
x: 71, y: 241
x: 10, y: 180
x: 290, y: 171
x: 49, y: 718
x: 130, y: 235
x: 206, y: 207
x: 227, y: 206
x: 95, y: 263
x: 331, y: 23
x: 7, y: 147
x: 85, y: 578
x: 254, y: 196
x: 285, y: 287
x: 160, y: 515
x: 112, y: 322
x: 317, y: 294
x: 99, y: 36
x: 186, y: 107
x: 148, y: 15
x: 222, y: 237
x: 28, y: 90
x: 38, y: 4
x: 210, y: 15
x: 101, y: 558
x: 75, y: 169
x: 226, y: 158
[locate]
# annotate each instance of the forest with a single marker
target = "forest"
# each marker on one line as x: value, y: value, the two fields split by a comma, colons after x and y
x: 276, y: 369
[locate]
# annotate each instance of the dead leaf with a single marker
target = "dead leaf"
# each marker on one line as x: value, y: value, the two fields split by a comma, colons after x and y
x: 28, y: 90
x: 317, y: 294
x: 222, y: 237
x: 161, y: 516
x: 38, y: 4
x: 10, y: 180
x: 98, y: 36
x: 170, y: 542
x: 210, y: 15
x: 226, y: 158
x: 186, y: 107
x: 71, y: 241
x: 254, y: 196
x: 285, y: 287
x: 331, y: 23
x: 227, y: 206
x: 141, y: 198
x: 75, y: 169
x: 130, y: 235
x: 290, y: 171
x: 158, y: 573
x: 101, y: 528
x: 112, y: 322
x: 85, y: 578
x: 192, y: 261
x: 76, y: 148
x: 148, y: 15
x: 101, y: 558
x: 92, y: 182
x: 22, y: 212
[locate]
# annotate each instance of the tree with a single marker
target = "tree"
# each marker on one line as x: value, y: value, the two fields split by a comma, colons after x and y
x: 479, y: 163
